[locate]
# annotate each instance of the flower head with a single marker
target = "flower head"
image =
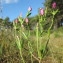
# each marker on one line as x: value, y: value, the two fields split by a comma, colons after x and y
x: 41, y: 11
x: 54, y: 5
x: 26, y: 20
x: 29, y: 9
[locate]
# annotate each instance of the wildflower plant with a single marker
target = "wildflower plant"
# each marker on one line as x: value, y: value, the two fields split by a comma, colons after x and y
x: 42, y: 51
x: 22, y: 33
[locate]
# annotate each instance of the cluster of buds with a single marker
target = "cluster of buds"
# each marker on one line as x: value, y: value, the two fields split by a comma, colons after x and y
x: 41, y: 11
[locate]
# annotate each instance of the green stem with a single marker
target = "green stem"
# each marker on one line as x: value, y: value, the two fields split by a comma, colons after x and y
x: 40, y: 61
x: 37, y: 39
x: 50, y: 27
x: 21, y: 56
x: 29, y: 45
x: 31, y: 58
x: 49, y: 33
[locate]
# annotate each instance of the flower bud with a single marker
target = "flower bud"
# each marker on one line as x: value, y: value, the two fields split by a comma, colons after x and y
x: 41, y: 11
x: 26, y: 20
x: 29, y: 9
x: 54, y: 5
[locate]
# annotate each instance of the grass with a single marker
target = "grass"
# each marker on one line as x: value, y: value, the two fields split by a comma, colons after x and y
x: 9, y: 52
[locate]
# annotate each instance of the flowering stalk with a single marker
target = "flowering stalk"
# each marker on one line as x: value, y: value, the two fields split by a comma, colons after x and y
x: 42, y: 19
x: 39, y: 31
x: 29, y: 43
x: 54, y: 12
x: 18, y: 38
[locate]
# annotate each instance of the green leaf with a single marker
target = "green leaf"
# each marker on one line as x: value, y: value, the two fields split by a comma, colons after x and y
x: 20, y: 20
x: 55, y: 12
x: 18, y: 43
x: 28, y: 14
x: 24, y: 35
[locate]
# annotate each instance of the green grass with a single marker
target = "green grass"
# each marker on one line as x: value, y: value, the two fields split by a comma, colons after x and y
x: 9, y: 52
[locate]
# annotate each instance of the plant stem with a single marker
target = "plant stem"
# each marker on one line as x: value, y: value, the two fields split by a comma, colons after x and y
x: 37, y: 36
x: 31, y: 58
x: 39, y: 61
x: 49, y: 33
x: 35, y: 57
x: 22, y: 56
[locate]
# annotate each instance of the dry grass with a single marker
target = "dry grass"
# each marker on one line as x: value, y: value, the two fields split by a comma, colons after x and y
x: 11, y: 55
x: 56, y: 48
